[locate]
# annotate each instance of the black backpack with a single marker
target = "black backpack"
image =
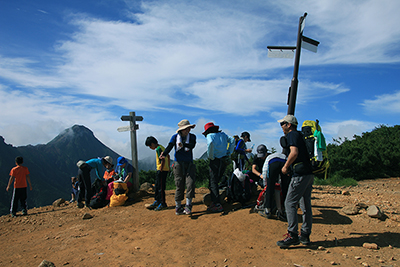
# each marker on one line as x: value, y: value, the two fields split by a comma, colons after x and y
x: 99, y: 199
x: 239, y: 191
x: 307, y: 130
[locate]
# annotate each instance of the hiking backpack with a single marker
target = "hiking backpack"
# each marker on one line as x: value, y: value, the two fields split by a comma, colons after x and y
x: 316, y: 147
x: 239, y: 191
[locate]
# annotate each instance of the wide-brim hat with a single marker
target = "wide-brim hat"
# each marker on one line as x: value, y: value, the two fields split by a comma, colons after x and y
x: 80, y: 163
x: 209, y: 126
x: 289, y: 119
x: 183, y: 124
x: 108, y: 159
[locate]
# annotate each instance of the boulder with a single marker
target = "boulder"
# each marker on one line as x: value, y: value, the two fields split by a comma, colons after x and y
x: 146, y: 186
x: 362, y: 205
x: 346, y: 193
x: 374, y: 212
x: 370, y: 246
x: 58, y: 202
x: 87, y: 216
x: 350, y: 210
x: 46, y: 263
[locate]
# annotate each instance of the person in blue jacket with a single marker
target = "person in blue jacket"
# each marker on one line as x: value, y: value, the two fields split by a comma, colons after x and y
x: 241, y: 149
x: 219, y: 148
x: 85, y: 184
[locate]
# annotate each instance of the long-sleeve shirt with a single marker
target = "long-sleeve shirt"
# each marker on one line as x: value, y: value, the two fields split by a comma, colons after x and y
x: 182, y: 154
x: 276, y: 157
x: 219, y: 145
x: 97, y: 165
x: 241, y: 148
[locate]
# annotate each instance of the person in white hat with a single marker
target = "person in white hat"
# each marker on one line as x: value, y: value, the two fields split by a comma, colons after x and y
x: 85, y: 184
x: 300, y: 186
x: 184, y: 169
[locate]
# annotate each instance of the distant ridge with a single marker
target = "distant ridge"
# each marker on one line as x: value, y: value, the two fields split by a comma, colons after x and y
x: 51, y: 165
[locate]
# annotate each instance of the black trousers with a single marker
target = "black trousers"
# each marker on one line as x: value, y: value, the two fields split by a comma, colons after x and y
x: 85, y: 184
x: 275, y: 171
x: 19, y: 194
x: 161, y: 179
x: 217, y: 169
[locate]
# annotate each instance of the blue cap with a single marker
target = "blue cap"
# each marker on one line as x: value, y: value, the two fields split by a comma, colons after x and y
x: 121, y: 161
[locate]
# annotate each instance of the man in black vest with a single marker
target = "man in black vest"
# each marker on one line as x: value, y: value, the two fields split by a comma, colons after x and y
x: 300, y: 186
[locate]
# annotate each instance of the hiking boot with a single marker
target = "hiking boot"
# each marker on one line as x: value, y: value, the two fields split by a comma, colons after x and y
x: 80, y: 205
x: 305, y: 239
x: 154, y: 205
x: 72, y: 201
x: 24, y: 212
x: 281, y: 216
x: 179, y: 211
x: 13, y: 215
x: 289, y: 240
x: 265, y: 214
x: 162, y: 206
x: 215, y: 208
x: 187, y: 210
x: 258, y: 208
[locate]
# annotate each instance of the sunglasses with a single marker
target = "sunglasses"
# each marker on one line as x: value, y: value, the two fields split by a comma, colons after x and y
x: 283, y: 123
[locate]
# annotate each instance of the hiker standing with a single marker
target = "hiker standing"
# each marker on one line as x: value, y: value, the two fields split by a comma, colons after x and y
x: 85, y: 184
x: 242, y: 149
x: 20, y: 176
x: 163, y: 168
x: 300, y: 186
x: 184, y: 169
x: 219, y: 147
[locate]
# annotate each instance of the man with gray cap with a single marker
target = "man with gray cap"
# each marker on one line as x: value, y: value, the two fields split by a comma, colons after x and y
x: 258, y: 163
x: 300, y: 186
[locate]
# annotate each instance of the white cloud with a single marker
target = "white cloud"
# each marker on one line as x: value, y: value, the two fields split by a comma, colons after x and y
x: 346, y: 129
x: 383, y: 104
x: 180, y: 55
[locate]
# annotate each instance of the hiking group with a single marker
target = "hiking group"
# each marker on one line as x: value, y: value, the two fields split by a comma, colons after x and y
x: 285, y: 177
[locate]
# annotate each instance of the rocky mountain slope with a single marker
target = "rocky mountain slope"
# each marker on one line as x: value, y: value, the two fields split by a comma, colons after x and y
x: 51, y: 165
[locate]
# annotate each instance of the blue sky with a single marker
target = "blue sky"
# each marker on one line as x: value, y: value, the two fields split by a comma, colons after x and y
x: 89, y: 62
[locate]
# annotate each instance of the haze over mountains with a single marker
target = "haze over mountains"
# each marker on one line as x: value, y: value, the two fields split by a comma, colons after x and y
x: 53, y: 164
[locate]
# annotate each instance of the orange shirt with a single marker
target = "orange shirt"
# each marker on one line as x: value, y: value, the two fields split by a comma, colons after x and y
x: 108, y: 175
x: 19, y: 173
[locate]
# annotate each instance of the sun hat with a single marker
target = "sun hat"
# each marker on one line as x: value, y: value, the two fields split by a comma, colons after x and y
x: 209, y: 126
x: 121, y: 161
x: 261, y: 151
x: 290, y: 119
x: 246, y: 134
x: 108, y: 159
x: 80, y: 163
x: 183, y: 124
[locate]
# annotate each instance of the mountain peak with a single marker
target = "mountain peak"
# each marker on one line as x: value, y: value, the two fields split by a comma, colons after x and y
x: 71, y: 133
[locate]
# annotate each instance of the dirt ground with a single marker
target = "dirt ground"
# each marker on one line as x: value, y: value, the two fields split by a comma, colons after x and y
x: 135, y: 236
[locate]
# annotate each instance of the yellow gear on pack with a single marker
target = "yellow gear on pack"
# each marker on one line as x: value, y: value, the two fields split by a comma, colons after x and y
x: 316, y: 146
x: 119, y: 199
